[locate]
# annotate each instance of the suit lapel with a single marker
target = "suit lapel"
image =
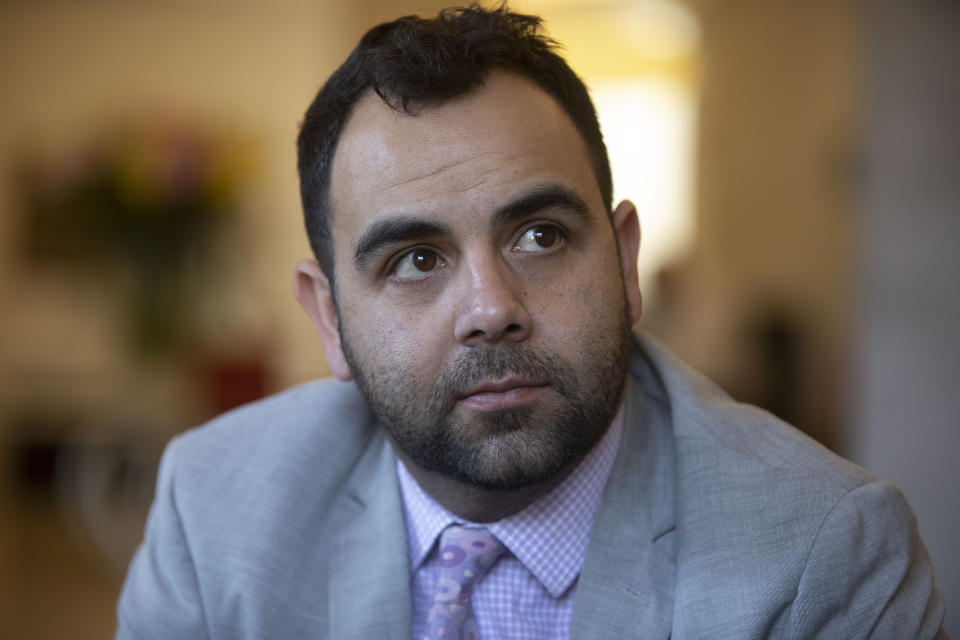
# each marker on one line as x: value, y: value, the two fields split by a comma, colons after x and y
x: 370, y: 572
x: 626, y: 587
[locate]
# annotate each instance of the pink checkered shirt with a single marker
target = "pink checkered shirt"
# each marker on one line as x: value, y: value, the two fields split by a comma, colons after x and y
x: 529, y: 593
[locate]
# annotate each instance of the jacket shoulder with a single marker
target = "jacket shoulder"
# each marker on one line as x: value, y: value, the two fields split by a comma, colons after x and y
x: 722, y: 437
x: 284, y: 453
x: 316, y: 414
x: 243, y: 511
x: 777, y: 535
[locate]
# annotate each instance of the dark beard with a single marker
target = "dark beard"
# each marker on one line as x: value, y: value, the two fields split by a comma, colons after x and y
x: 513, y: 447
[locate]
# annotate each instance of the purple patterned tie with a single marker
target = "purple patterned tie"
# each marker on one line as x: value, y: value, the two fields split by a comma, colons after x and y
x: 465, y: 557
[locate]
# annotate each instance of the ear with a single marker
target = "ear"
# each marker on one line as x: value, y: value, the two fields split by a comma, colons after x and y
x: 626, y: 227
x: 314, y: 293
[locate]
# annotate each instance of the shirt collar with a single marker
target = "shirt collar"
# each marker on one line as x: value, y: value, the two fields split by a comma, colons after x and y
x: 549, y: 536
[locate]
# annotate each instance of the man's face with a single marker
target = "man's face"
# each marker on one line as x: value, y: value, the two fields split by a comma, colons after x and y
x: 480, y: 296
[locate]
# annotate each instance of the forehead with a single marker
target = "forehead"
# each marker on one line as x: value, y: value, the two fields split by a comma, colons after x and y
x: 464, y: 156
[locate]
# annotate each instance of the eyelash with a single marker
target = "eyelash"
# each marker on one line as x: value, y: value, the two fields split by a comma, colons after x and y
x: 560, y: 240
x: 561, y: 235
x: 439, y: 263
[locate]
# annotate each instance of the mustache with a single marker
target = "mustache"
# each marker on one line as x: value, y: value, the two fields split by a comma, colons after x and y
x: 474, y: 367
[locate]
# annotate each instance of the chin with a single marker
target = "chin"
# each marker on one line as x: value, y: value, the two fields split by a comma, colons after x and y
x: 513, y: 452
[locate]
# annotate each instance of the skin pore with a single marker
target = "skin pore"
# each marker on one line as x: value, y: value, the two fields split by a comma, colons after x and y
x: 483, y: 294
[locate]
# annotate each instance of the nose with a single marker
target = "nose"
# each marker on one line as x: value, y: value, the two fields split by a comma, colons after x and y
x: 492, y: 309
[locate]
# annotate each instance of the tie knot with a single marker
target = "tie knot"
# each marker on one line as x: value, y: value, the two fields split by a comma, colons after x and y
x: 466, y: 554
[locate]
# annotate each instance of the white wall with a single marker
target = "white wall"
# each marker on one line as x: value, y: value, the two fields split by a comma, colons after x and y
x: 908, y: 330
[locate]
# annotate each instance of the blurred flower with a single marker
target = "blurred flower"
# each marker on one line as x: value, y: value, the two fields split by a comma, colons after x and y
x: 137, y: 204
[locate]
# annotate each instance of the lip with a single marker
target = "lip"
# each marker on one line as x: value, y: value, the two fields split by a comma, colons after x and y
x: 502, y: 394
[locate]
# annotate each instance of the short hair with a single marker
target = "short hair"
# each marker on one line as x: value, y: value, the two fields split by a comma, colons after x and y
x: 414, y: 63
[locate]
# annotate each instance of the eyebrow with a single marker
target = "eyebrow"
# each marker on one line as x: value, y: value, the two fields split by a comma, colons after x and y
x: 390, y: 231
x: 551, y: 196
x: 402, y: 228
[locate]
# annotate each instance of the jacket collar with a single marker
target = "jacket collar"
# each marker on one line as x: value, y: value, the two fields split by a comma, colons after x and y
x: 628, y: 577
x: 369, y: 591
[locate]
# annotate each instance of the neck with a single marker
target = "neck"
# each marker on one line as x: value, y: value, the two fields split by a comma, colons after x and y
x: 478, y: 504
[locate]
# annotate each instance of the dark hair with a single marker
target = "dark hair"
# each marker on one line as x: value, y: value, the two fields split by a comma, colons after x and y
x: 413, y: 63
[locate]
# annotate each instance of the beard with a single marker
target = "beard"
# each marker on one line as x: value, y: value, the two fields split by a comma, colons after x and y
x: 508, y: 448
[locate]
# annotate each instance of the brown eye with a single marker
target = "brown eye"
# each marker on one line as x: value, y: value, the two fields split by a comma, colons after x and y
x: 546, y: 237
x: 416, y: 265
x: 424, y: 260
x: 538, y: 238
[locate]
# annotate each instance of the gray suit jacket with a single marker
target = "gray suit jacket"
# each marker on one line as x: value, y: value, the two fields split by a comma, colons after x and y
x: 283, y: 519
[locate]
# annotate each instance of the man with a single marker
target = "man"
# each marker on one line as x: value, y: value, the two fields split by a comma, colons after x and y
x: 501, y: 457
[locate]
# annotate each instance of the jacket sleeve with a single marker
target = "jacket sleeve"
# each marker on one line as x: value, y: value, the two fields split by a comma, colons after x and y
x: 161, y: 595
x: 868, y: 574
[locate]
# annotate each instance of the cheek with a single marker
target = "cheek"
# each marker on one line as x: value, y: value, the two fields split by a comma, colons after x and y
x: 585, y: 305
x: 396, y: 335
x: 562, y: 316
x: 589, y: 285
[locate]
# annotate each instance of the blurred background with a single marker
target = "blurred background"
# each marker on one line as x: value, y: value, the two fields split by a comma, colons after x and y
x: 796, y: 166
